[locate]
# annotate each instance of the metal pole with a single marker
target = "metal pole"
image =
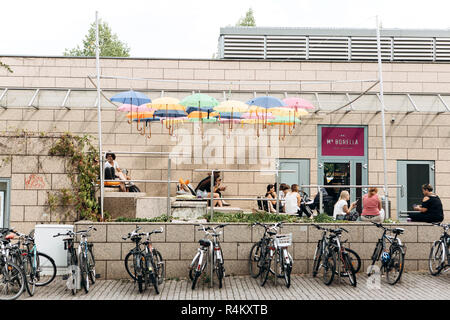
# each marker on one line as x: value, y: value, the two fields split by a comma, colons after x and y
x: 212, y: 195
x: 380, y: 77
x: 99, y: 113
x: 320, y: 200
x: 278, y: 186
x: 169, y: 167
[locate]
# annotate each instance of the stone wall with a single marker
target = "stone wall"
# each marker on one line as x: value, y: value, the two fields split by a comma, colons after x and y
x: 179, y: 242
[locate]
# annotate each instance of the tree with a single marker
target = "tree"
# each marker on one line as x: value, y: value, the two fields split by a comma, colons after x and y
x: 110, y: 45
x: 248, y: 20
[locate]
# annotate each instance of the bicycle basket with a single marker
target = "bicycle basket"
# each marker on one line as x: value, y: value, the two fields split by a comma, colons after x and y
x: 283, y: 240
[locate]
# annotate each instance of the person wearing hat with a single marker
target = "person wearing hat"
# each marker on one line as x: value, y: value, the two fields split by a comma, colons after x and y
x: 112, y: 163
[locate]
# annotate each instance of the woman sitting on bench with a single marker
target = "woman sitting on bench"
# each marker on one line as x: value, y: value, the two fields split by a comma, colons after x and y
x: 112, y: 163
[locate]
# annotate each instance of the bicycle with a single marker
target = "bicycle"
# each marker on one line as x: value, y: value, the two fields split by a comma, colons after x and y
x: 392, y: 258
x: 439, y: 258
x: 12, y: 277
x: 336, y: 255
x: 83, y: 258
x: 213, y: 251
x: 320, y: 249
x: 39, y: 268
x: 147, y: 264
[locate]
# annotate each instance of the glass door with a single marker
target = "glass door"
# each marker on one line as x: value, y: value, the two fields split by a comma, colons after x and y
x: 412, y: 175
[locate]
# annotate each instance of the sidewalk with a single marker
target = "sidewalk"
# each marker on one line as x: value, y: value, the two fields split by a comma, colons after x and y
x: 421, y: 286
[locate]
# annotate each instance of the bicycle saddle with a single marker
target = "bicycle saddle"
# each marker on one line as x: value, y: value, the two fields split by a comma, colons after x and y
x: 204, y: 242
x: 398, y: 230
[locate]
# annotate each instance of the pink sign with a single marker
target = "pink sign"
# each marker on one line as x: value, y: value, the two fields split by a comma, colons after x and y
x: 343, y: 142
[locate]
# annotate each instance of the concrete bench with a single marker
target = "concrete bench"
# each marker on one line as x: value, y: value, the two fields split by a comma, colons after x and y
x: 227, y: 209
x: 151, y: 207
x: 121, y: 204
x: 189, y: 210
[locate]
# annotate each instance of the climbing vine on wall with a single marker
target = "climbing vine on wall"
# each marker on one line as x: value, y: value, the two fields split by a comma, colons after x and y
x: 82, y: 169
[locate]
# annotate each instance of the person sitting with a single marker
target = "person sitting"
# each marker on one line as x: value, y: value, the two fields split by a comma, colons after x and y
x: 185, y: 188
x: 271, y: 194
x: 293, y: 201
x: 112, y: 163
x: 431, y: 209
x: 203, y: 189
x: 372, y: 207
x: 341, y: 209
x: 219, y: 189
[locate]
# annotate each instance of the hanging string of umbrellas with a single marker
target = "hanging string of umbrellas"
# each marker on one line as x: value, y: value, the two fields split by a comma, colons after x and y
x: 260, y: 112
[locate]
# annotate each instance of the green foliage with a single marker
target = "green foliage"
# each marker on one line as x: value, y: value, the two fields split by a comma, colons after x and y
x: 8, y: 68
x: 163, y: 218
x: 110, y: 45
x: 83, y: 170
x: 324, y: 218
x: 248, y: 20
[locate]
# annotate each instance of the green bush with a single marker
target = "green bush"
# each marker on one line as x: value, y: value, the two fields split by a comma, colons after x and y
x: 163, y: 218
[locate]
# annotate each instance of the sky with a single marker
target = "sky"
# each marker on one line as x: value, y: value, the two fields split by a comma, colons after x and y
x: 190, y: 29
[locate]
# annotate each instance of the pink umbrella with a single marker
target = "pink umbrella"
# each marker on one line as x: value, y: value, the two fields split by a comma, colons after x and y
x: 259, y: 115
x: 298, y: 103
x: 133, y: 108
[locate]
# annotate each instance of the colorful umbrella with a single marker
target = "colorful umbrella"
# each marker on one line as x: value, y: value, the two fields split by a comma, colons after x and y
x: 133, y: 98
x: 168, y: 109
x: 232, y: 110
x: 298, y: 103
x: 199, y: 102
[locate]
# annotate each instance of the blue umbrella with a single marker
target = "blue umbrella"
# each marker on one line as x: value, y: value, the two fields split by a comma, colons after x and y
x: 202, y: 109
x: 170, y: 113
x: 266, y: 102
x: 131, y: 97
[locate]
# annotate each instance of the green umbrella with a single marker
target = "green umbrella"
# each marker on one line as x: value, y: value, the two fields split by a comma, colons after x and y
x: 199, y: 102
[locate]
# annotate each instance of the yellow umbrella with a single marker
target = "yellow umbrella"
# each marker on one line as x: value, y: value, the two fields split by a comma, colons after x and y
x: 232, y: 106
x: 166, y: 103
x: 285, y: 112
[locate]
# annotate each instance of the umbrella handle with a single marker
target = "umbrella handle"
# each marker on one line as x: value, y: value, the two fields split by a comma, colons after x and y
x: 149, y: 135
x: 142, y: 131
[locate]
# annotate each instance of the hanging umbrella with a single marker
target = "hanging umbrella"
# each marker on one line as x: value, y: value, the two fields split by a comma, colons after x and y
x: 231, y: 110
x: 133, y: 98
x: 266, y: 103
x: 197, y: 116
x: 168, y: 109
x: 199, y: 102
x: 298, y: 103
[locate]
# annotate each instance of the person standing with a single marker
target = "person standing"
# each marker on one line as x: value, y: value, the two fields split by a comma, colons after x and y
x: 431, y: 209
x: 371, y: 207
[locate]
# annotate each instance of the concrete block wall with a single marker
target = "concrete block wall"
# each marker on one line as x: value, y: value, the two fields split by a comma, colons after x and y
x: 179, y: 242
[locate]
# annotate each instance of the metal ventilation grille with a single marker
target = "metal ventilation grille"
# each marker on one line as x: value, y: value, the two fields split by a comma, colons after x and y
x: 286, y: 47
x: 413, y: 49
x: 365, y: 48
x: 442, y: 49
x: 244, y: 47
x: 329, y: 49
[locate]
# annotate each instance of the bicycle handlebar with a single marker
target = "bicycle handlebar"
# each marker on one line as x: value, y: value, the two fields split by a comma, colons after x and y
x: 147, y: 234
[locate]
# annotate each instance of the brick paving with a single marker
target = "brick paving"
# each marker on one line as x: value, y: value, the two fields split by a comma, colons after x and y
x: 413, y: 285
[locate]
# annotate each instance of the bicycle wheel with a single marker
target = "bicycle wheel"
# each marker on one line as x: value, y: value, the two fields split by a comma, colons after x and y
x: 375, y: 256
x: 160, y: 266
x: 317, y: 258
x: 436, y: 260
x: 84, y: 273
x: 395, y: 266
x: 253, y: 260
x: 195, y: 278
x: 139, y: 272
x: 265, y: 269
x: 220, y: 270
x: 287, y: 268
x: 129, y: 265
x: 152, y: 275
x: 355, y: 259
x: 348, y: 266
x: 45, y: 269
x: 91, y: 265
x: 196, y: 271
x: 12, y: 281
x: 30, y: 275
x: 329, y: 266
x: 74, y: 273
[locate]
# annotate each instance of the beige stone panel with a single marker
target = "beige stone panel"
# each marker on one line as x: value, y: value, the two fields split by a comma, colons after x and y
x: 420, y: 154
x: 364, y: 250
x: 8, y: 148
x: 229, y: 250
x: 442, y: 179
x: 25, y: 71
x: 115, y: 270
x: 193, y: 86
x: 255, y: 65
x: 13, y: 61
x: 444, y: 132
x: 326, y: 75
x: 224, y: 87
x: 395, y: 76
x: 303, y: 152
x: 428, y: 233
x: 118, y: 72
x: 257, y: 86
x: 104, y: 84
x: 270, y: 75
x: 193, y: 64
x: 81, y: 72
x: 37, y: 214
x: 422, y: 76
x: 178, y: 74
x: 421, y: 131
x: 235, y: 267
x: 316, y: 87
x: 351, y: 66
x: 237, y: 233
x: 285, y: 65
x: 188, y: 251
x: 37, y: 181
x: 105, y: 62
x: 362, y: 75
x: 24, y: 197
x: 442, y: 166
x: 418, y: 250
x: 24, y: 164
x: 5, y: 167
x: 169, y: 251
x: 16, y: 214
x: 435, y: 119
x: 70, y: 62
x: 10, y: 81
x: 393, y: 154
x: 209, y: 74
x: 407, y: 87
x: 393, y: 131
x: 299, y: 251
x: 179, y: 233
x: 300, y: 75
x: 177, y: 269
x: 70, y: 82
x: 83, y: 127
x: 132, y: 63
x: 107, y: 251
x: 444, y: 154
x: 24, y: 227
x: 61, y: 181
x: 163, y: 63
x: 126, y: 84
x: 18, y: 181
x: 224, y: 65
x: 407, y: 67
x: 51, y: 126
x: 285, y: 87
x: 443, y: 77
x: 107, y: 115
x: 148, y: 73
x: 68, y: 115
x: 316, y: 66
x: 22, y: 126
x: 244, y: 250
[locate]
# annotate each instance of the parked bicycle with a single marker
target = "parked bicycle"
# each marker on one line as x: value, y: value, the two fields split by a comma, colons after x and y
x: 209, y: 250
x: 320, y: 250
x: 81, y: 262
x: 39, y: 268
x: 271, y: 247
x: 392, y: 257
x: 336, y: 259
x: 144, y: 263
x: 12, y: 277
x: 439, y: 258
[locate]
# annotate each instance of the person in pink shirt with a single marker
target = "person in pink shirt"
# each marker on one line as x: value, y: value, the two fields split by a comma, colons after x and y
x: 371, y: 207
